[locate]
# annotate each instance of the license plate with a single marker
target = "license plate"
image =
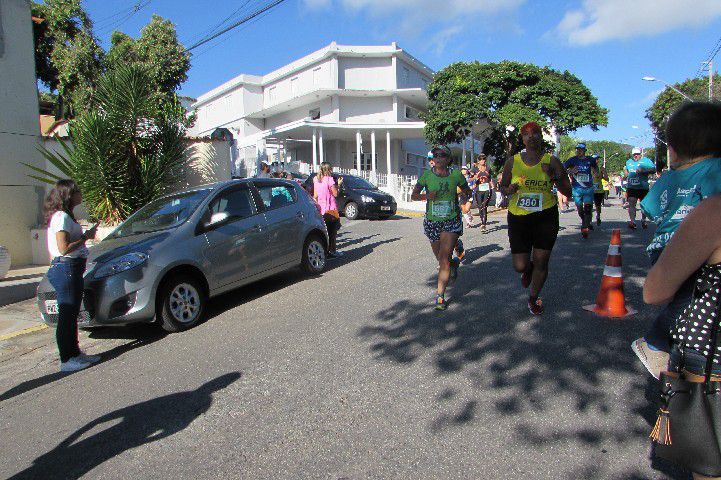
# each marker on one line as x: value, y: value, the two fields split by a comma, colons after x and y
x: 51, y: 307
x: 385, y: 208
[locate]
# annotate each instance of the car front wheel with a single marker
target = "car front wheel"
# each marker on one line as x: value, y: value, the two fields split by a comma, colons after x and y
x: 351, y: 210
x: 182, y: 303
x: 314, y: 255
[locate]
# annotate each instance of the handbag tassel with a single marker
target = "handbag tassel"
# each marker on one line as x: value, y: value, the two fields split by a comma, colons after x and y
x: 661, y: 432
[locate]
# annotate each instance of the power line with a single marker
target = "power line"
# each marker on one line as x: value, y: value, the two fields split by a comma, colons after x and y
x: 209, y: 31
x: 229, y: 36
x: 242, y: 21
x: 714, y: 51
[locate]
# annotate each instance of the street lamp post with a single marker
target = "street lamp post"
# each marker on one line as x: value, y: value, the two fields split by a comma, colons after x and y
x: 654, y: 79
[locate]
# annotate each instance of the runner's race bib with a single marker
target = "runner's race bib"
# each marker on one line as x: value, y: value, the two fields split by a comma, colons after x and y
x: 531, y: 202
x: 484, y: 187
x: 442, y: 209
x: 583, y: 177
x: 634, y: 181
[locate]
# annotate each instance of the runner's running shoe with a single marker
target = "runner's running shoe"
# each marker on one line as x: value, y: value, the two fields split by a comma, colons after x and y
x: 441, y: 303
x: 632, y: 225
x: 584, y: 232
x: 536, y: 308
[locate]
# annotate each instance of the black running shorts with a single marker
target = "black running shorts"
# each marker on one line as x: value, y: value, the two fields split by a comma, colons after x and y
x: 639, y: 193
x: 535, y: 230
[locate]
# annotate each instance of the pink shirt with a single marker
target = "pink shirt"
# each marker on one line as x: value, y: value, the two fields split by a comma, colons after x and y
x: 322, y: 190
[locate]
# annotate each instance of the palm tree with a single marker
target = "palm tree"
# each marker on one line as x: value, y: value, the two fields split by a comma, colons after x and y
x: 127, y: 150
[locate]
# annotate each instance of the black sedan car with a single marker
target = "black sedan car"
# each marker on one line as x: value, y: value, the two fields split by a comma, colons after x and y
x: 358, y: 198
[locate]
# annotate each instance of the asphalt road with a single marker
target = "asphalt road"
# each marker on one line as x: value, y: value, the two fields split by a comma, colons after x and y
x: 354, y: 375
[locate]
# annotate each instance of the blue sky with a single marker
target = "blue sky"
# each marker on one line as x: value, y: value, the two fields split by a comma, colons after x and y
x: 609, y: 44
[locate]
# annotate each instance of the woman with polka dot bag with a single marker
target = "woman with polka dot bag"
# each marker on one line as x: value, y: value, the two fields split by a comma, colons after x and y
x: 688, y: 428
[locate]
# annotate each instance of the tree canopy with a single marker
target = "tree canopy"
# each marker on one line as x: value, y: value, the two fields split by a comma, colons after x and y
x: 507, y: 94
x: 70, y: 61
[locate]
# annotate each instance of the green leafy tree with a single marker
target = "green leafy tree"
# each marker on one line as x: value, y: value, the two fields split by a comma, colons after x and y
x: 669, y: 100
x: 127, y: 151
x: 158, y: 49
x: 67, y: 55
x: 507, y: 94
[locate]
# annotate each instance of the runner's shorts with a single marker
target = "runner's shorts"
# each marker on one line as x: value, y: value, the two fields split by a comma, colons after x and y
x: 583, y: 195
x: 535, y: 230
x: 639, y: 193
x: 433, y: 229
x: 599, y: 197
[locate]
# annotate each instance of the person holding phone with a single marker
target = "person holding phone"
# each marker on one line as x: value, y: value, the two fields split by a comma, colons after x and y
x: 66, y: 244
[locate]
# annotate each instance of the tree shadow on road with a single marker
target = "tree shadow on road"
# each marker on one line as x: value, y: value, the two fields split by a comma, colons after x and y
x: 124, y: 429
x: 522, y: 367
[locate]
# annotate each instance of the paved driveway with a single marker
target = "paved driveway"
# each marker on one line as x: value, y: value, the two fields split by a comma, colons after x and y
x: 354, y: 375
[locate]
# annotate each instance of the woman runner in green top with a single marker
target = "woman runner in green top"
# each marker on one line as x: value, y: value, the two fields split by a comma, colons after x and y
x: 442, y: 224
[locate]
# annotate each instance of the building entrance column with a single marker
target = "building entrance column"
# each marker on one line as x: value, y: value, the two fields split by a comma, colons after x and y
x: 315, y: 150
x: 320, y: 146
x: 373, y: 153
x: 358, y: 146
x: 388, y: 154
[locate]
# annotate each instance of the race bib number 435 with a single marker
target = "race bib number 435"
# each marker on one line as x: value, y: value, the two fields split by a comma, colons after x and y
x: 530, y: 202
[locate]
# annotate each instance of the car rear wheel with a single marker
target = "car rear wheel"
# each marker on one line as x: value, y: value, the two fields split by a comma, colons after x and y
x: 351, y: 210
x: 182, y: 303
x: 314, y: 255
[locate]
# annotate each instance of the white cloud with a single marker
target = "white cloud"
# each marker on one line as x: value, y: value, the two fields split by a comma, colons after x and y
x: 602, y: 20
x: 439, y: 20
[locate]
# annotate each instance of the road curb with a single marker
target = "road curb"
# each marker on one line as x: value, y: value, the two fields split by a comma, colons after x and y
x: 24, y: 331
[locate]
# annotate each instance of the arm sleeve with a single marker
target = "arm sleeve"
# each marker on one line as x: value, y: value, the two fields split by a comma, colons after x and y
x: 462, y: 182
x: 422, y: 181
x: 568, y: 163
x: 61, y: 221
x: 651, y: 205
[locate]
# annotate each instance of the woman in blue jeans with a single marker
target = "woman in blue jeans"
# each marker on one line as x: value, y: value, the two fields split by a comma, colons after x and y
x: 66, y: 244
x: 695, y: 249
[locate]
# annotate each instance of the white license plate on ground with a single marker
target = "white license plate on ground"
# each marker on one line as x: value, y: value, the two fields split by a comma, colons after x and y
x: 385, y: 208
x: 51, y: 307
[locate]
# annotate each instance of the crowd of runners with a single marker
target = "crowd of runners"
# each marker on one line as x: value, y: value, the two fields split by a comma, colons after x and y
x: 536, y: 186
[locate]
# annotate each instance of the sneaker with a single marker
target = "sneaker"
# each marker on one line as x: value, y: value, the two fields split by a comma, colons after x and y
x: 536, y: 308
x: 526, y: 277
x: 632, y: 225
x: 88, y: 358
x: 655, y: 361
x: 483, y: 228
x: 644, y: 224
x: 441, y: 303
x: 584, y: 232
x: 73, y: 365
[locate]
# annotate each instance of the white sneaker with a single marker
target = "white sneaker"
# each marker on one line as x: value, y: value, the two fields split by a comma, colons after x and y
x: 88, y: 358
x: 73, y: 365
x: 655, y: 361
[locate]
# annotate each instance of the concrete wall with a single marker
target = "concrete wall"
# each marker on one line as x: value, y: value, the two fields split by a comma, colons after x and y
x: 300, y: 113
x: 365, y: 73
x: 20, y: 199
x: 410, y: 77
x: 313, y: 77
x: 366, y: 109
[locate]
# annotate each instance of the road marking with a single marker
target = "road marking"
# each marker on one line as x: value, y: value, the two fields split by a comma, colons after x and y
x: 23, y: 332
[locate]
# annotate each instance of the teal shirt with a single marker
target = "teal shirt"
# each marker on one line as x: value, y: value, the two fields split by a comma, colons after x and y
x: 639, y: 181
x: 675, y: 194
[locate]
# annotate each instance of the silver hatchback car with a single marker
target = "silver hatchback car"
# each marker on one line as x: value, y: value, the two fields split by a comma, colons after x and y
x: 166, y: 260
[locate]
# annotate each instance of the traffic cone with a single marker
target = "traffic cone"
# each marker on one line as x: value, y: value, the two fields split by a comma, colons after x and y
x: 611, y: 301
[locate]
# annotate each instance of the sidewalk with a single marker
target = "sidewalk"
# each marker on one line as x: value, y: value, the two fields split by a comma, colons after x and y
x: 18, y: 311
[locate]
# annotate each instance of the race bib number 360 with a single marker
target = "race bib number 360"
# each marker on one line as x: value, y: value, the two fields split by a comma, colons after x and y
x: 530, y: 202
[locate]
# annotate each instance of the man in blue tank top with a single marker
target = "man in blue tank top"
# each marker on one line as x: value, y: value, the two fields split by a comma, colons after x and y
x: 582, y: 169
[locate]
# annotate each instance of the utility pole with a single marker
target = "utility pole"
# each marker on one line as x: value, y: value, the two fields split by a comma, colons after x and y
x: 709, y: 64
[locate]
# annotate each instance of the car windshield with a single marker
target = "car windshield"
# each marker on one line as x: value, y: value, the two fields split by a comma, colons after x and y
x: 161, y: 214
x: 358, y: 183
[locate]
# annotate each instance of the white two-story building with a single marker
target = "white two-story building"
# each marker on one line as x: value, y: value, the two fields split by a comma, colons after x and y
x: 356, y: 107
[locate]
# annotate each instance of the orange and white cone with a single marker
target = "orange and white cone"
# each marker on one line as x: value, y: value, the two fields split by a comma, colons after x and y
x: 611, y: 300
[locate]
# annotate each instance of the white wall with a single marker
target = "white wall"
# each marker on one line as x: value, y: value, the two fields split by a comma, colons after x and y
x: 300, y: 113
x: 365, y: 73
x: 366, y: 109
x: 410, y: 77
x: 20, y: 198
x: 313, y: 77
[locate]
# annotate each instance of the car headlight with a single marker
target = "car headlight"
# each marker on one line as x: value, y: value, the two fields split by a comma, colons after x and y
x: 121, y: 264
x: 367, y: 199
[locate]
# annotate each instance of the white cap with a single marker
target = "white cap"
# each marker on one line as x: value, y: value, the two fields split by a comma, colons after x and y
x: 635, y: 151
